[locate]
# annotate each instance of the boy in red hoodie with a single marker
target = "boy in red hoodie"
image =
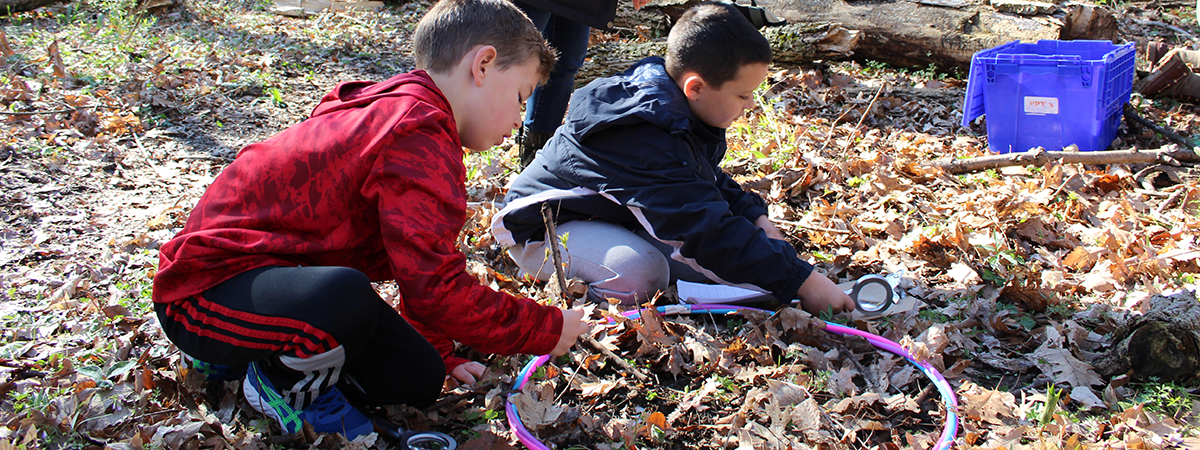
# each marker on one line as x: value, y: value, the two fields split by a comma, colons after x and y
x: 273, y: 269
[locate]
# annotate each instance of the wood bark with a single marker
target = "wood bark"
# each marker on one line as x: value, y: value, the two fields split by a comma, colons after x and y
x: 946, y: 33
x: 8, y: 7
x: 793, y: 43
x: 1163, y: 344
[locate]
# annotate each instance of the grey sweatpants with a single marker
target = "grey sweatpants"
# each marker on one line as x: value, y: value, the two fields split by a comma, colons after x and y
x: 614, y: 261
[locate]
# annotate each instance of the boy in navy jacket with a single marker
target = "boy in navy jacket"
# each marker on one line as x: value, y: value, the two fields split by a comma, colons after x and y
x: 634, y: 180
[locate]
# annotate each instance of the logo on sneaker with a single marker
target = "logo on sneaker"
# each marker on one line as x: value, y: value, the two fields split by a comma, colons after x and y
x: 257, y: 388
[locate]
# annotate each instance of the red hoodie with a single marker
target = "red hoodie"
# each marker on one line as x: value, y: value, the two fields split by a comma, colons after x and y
x: 375, y: 181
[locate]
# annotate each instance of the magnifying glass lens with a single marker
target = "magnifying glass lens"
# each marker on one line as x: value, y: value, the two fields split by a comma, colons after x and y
x: 430, y: 442
x: 873, y: 295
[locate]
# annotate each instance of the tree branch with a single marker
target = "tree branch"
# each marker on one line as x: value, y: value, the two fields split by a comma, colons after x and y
x: 1131, y: 114
x: 552, y: 241
x: 1170, y: 154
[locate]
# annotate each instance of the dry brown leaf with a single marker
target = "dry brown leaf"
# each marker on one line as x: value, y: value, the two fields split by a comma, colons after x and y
x: 1060, y: 365
x: 659, y: 420
x: 694, y: 399
x: 536, y: 406
x: 1087, y: 399
x: 602, y: 387
x: 56, y: 62
x: 986, y: 405
x: 487, y: 440
x: 1082, y: 258
x: 5, y: 49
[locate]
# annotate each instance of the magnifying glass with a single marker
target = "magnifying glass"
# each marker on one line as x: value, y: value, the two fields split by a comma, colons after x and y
x: 872, y: 294
x: 413, y: 440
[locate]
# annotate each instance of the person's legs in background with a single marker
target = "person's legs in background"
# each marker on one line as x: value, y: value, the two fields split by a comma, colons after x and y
x: 544, y: 110
x: 1171, y: 73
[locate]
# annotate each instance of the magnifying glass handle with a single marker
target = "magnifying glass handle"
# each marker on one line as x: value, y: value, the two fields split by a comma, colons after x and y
x: 413, y: 440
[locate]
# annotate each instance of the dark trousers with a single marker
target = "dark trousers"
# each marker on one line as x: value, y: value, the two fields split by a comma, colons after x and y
x: 308, y: 326
x: 545, y: 108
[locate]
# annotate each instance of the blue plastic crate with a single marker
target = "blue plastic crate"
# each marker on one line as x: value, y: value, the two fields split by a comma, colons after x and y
x: 1050, y: 94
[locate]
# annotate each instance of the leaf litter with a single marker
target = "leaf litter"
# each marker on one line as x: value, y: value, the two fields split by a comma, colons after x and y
x: 1023, y: 273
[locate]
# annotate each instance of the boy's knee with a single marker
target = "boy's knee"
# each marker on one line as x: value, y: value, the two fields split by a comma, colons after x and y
x: 637, y: 278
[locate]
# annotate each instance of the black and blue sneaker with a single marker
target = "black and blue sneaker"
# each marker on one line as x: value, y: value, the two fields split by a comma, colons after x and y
x: 328, y: 413
x: 214, y: 372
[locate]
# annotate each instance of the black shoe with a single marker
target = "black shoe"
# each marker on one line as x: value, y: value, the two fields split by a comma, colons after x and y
x: 759, y: 16
x: 531, y: 142
x: 1165, y: 75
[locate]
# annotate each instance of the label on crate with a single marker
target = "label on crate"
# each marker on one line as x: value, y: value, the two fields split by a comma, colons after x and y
x: 1040, y: 106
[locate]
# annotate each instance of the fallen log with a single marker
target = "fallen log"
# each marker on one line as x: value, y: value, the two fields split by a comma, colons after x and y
x: 946, y: 33
x: 8, y: 7
x: 1171, y: 154
x: 943, y: 33
x: 1162, y: 345
x: 794, y: 43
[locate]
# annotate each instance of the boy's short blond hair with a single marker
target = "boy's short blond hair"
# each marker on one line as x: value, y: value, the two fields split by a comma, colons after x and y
x: 451, y: 28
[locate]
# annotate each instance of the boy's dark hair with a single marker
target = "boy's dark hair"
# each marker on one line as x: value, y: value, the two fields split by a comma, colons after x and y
x: 451, y: 28
x: 715, y: 41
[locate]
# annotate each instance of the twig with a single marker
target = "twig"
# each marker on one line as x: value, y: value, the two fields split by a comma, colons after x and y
x: 1062, y: 185
x: 1166, y: 204
x: 552, y: 241
x: 1167, y: 155
x: 574, y: 373
x: 1168, y: 26
x: 866, y: 373
x: 832, y: 131
x: 861, y: 118
x: 455, y: 398
x: 616, y: 359
x: 1150, y: 193
x: 812, y: 227
x: 138, y: 141
x: 925, y: 393
x: 1131, y: 114
x: 33, y: 113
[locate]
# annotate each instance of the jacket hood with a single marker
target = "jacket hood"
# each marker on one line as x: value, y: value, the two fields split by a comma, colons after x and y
x: 354, y: 94
x: 644, y: 93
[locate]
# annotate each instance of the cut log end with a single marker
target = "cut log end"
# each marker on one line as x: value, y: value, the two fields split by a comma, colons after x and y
x: 1162, y: 345
x: 1164, y: 352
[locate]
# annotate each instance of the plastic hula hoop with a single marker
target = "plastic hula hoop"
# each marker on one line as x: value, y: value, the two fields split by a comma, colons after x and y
x: 949, y: 431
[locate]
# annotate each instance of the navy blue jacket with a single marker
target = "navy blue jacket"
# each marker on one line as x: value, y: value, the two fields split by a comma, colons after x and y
x: 631, y: 152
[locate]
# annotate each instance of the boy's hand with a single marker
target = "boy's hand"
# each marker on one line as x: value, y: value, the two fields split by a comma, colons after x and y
x: 467, y: 373
x: 573, y: 326
x: 818, y: 294
x: 769, y: 227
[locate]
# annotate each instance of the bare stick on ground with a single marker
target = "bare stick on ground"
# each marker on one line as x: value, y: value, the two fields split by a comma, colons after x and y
x: 1167, y: 155
x: 1132, y: 115
x: 552, y: 241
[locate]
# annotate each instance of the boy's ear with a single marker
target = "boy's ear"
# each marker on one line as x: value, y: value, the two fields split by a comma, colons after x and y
x: 692, y: 85
x: 483, y: 60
